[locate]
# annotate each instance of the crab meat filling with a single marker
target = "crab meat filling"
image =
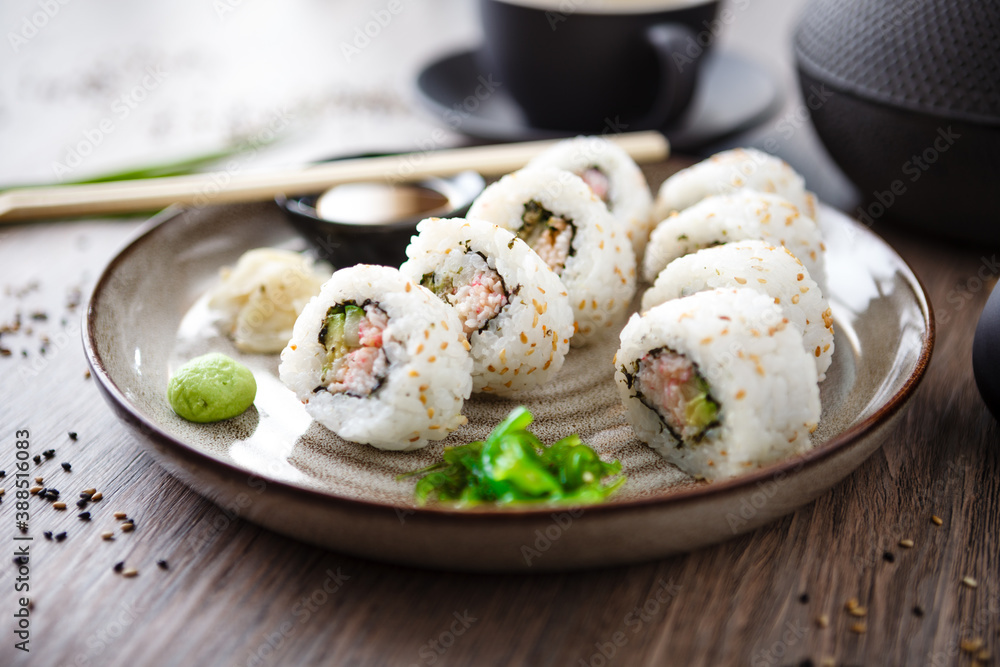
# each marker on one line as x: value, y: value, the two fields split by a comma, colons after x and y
x: 477, y: 299
x: 598, y: 182
x: 547, y: 234
x: 355, y: 362
x: 673, y: 387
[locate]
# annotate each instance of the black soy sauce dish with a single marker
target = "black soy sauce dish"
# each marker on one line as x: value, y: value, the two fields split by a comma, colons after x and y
x: 372, y: 222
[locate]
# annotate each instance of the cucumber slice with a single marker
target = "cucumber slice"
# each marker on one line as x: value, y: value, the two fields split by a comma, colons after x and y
x: 351, y: 332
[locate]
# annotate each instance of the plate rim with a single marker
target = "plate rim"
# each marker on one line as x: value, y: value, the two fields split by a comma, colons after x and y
x: 835, y: 445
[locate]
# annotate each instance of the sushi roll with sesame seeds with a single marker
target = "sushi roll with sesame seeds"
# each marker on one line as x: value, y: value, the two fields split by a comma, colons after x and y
x: 718, y: 382
x: 613, y: 176
x: 379, y: 360
x: 560, y: 218
x: 765, y: 269
x: 728, y: 172
x: 513, y: 308
x: 738, y: 217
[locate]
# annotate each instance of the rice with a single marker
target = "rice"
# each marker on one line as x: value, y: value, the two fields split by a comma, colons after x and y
x: 755, y: 265
x: 745, y: 215
x: 569, y: 227
x: 728, y: 172
x: 397, y: 377
x: 718, y: 382
x: 613, y: 176
x: 513, y: 307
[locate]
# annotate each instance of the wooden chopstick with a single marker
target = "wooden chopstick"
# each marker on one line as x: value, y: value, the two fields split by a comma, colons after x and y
x: 219, y: 188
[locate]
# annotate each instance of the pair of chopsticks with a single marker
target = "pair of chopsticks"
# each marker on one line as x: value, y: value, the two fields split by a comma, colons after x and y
x: 214, y: 188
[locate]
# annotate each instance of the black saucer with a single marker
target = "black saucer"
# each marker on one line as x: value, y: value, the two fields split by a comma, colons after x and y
x: 733, y: 94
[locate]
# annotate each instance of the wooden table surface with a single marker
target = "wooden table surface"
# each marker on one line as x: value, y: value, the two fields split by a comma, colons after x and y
x: 235, y: 594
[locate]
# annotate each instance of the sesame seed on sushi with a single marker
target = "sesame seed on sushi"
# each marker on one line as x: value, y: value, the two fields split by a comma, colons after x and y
x: 728, y: 172
x: 741, y: 216
x: 718, y: 382
x: 758, y: 266
x: 560, y: 218
x: 613, y: 176
x: 379, y: 360
x: 513, y: 308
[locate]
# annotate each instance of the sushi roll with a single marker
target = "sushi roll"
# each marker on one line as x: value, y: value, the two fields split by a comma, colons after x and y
x: 613, y: 176
x: 718, y: 382
x: 380, y: 360
x: 765, y: 269
x: 738, y: 217
x: 569, y: 227
x: 513, y: 309
x: 729, y: 171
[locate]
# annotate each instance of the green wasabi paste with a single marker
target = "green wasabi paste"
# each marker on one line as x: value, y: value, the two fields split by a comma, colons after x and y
x: 211, y: 388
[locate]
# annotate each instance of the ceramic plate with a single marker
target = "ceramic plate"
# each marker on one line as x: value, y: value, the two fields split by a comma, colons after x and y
x: 274, y: 466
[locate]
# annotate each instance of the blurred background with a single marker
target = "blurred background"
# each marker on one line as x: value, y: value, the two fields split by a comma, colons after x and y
x: 88, y: 88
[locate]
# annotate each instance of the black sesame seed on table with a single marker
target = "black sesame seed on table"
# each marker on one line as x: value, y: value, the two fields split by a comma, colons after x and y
x: 3, y: 473
x: 61, y: 536
x: 85, y: 516
x: 918, y: 611
x: 72, y: 435
x: 119, y: 566
x: 804, y: 598
x: 888, y: 557
x: 48, y: 534
x: 36, y: 458
x: 81, y: 503
x: 162, y: 564
x: 86, y: 496
x: 49, y: 453
x: 66, y: 466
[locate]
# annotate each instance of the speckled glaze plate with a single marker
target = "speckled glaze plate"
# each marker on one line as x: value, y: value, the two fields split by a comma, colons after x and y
x: 274, y: 466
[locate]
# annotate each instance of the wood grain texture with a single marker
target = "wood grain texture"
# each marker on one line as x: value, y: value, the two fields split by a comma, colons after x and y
x: 236, y: 594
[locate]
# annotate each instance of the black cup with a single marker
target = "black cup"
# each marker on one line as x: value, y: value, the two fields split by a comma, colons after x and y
x: 576, y: 65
